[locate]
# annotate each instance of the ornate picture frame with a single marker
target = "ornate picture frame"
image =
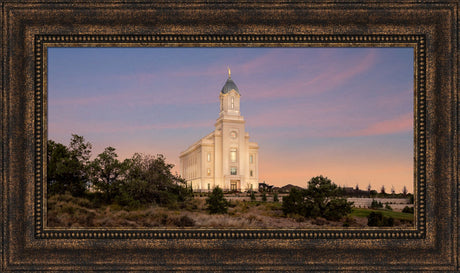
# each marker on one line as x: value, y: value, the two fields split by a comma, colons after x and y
x: 29, y: 28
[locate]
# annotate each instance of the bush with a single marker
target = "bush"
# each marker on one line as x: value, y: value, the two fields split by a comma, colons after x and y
x: 320, y: 199
x: 185, y: 221
x: 408, y: 209
x: 348, y: 221
x: 376, y: 204
x: 264, y: 197
x: 275, y: 197
x: 376, y: 219
x: 294, y: 203
x: 388, y: 207
x: 253, y: 196
x: 216, y: 202
x: 411, y: 198
x: 297, y: 218
x: 320, y: 221
x: 337, y: 208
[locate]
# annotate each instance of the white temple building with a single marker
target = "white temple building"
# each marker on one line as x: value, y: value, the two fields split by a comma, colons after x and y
x: 225, y: 157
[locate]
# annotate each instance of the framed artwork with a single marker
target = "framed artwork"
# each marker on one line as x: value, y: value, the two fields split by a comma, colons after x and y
x: 297, y: 136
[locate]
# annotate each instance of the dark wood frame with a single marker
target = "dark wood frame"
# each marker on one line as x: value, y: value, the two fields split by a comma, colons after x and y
x: 29, y: 28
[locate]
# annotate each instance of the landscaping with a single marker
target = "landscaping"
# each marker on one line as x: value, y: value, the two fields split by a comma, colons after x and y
x: 141, y: 191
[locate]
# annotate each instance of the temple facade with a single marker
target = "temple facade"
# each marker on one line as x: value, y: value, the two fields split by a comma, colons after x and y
x: 224, y: 158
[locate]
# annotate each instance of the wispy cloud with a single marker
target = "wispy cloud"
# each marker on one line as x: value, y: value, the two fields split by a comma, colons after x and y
x: 399, y: 124
x: 89, y: 127
x: 136, y: 97
x: 326, y: 80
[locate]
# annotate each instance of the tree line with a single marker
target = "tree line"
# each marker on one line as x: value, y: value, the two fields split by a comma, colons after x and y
x: 136, y: 181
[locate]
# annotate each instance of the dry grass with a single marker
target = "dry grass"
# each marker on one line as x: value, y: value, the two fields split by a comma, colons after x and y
x: 67, y: 211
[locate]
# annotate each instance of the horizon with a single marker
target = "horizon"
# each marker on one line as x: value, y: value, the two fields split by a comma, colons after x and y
x: 344, y: 113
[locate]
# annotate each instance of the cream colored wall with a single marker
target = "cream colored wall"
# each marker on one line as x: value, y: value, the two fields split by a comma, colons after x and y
x: 194, y: 162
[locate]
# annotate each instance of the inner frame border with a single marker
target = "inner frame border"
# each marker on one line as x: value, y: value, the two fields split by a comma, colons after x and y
x: 42, y: 42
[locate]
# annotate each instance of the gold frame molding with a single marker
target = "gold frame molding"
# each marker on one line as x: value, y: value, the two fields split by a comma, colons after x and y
x: 28, y: 29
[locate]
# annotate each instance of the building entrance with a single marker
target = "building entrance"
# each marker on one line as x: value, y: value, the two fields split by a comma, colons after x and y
x: 234, y: 185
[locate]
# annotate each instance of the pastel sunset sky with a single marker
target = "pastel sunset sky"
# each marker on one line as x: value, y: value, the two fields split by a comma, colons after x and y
x: 344, y: 113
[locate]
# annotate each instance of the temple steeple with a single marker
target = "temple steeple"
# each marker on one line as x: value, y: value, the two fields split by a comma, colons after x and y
x: 229, y: 98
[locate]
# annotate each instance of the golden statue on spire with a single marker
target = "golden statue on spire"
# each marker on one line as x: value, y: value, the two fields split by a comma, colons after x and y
x: 229, y: 72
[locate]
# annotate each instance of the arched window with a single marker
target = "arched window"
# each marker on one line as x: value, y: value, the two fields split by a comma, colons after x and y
x: 233, y: 103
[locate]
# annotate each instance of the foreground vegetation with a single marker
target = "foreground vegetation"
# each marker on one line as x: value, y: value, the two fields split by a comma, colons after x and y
x: 135, y: 182
x: 68, y: 211
x: 141, y: 191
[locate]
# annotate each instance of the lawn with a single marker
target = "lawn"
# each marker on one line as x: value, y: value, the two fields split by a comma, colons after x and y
x: 360, y: 212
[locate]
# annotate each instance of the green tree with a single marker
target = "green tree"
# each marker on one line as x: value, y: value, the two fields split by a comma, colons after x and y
x: 373, y: 193
x: 216, y: 203
x: 295, y: 203
x: 320, y: 192
x: 404, y: 191
x: 149, y: 180
x: 107, y: 174
x: 320, y: 199
x: 67, y: 167
x: 337, y: 208
x: 80, y: 149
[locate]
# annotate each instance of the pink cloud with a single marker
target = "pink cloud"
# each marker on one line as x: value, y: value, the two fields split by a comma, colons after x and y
x: 329, y: 79
x: 399, y: 124
x: 304, y: 114
x: 88, y: 127
x: 136, y: 98
x: 90, y: 100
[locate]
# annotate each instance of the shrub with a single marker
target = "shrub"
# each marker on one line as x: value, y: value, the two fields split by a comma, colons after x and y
x: 408, y: 209
x: 264, y: 197
x: 376, y: 204
x: 298, y: 218
x: 348, y: 221
x: 411, y: 198
x: 275, y: 197
x: 216, y: 202
x: 185, y: 221
x: 253, y: 196
x: 376, y: 219
x: 388, y: 207
x: 294, y: 203
x: 320, y: 199
x: 320, y: 221
x: 337, y: 208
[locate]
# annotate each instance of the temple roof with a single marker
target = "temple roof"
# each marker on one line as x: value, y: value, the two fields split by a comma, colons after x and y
x: 229, y: 85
